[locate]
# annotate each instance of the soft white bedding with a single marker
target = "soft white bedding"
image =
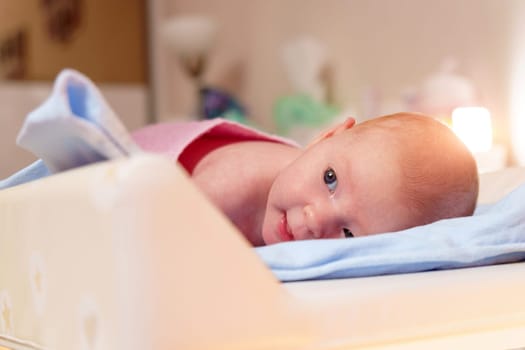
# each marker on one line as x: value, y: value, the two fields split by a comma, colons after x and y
x: 495, y: 185
x: 464, y: 305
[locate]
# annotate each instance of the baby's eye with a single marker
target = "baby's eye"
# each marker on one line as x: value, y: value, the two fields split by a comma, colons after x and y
x: 348, y: 233
x: 330, y: 179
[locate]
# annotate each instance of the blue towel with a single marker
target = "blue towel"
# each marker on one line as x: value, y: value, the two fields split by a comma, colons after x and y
x: 75, y: 126
x: 33, y: 171
x: 494, y: 234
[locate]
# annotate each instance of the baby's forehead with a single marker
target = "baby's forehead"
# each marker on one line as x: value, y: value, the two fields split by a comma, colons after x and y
x: 369, y: 136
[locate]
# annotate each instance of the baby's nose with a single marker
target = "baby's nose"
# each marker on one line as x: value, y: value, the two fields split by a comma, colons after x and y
x: 321, y: 222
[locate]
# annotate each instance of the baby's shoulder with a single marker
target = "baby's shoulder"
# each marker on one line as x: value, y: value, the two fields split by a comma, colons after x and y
x: 260, y: 156
x: 243, y: 167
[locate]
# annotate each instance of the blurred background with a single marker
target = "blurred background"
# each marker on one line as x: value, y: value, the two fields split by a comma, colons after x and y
x: 289, y: 67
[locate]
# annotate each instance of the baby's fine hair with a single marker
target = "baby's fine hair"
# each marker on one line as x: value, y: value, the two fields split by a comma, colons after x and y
x: 439, y: 174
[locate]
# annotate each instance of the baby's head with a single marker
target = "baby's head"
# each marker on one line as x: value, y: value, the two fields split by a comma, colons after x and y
x: 383, y: 175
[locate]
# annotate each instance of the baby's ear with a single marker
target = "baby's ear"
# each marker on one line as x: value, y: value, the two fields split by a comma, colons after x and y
x: 334, y: 130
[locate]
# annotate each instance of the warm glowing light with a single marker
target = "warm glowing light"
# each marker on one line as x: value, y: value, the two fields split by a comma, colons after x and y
x: 473, y: 126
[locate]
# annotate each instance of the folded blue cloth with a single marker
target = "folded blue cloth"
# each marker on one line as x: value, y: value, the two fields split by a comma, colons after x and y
x: 34, y: 171
x: 75, y: 126
x: 494, y: 234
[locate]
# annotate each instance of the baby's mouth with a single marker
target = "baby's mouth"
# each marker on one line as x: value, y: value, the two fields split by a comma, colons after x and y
x: 284, y: 230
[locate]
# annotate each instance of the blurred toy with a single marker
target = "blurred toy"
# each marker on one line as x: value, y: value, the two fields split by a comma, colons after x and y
x: 301, y: 110
x: 191, y: 39
x: 304, y: 60
x: 445, y: 90
x: 216, y: 103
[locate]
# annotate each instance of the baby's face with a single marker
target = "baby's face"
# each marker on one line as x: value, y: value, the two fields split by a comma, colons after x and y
x: 340, y: 184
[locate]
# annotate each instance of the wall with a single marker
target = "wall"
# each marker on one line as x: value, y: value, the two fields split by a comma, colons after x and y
x: 105, y: 39
x: 385, y: 46
x: 516, y: 77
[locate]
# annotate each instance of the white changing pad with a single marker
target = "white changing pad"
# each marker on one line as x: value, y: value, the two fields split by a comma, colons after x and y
x: 118, y: 256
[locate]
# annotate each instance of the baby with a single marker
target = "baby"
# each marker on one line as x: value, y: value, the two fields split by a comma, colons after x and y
x: 383, y: 175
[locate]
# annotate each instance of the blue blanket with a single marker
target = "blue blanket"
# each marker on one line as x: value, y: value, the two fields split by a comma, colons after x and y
x: 75, y: 126
x: 495, y: 234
